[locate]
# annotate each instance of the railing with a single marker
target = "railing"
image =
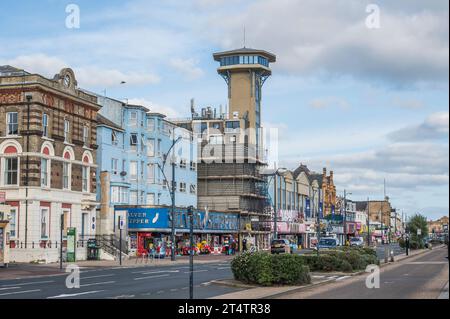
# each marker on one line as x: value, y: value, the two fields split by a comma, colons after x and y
x: 45, y: 244
x: 111, y: 244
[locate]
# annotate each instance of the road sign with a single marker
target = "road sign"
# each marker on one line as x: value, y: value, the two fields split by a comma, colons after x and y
x: 419, y: 232
x: 121, y: 223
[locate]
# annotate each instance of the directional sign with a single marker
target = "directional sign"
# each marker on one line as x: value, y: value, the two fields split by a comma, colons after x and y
x: 419, y: 232
x: 121, y: 223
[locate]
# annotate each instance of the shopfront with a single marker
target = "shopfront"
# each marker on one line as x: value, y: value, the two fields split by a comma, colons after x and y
x: 150, y: 227
x: 4, y: 235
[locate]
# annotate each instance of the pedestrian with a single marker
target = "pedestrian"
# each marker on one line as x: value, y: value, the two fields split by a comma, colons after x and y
x: 244, y: 244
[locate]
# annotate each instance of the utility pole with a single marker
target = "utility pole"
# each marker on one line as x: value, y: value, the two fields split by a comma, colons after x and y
x: 275, y: 207
x: 345, y: 216
x: 173, y: 203
x: 317, y: 220
x: 368, y: 222
x: 120, y: 240
x: 61, y: 242
x: 191, y: 252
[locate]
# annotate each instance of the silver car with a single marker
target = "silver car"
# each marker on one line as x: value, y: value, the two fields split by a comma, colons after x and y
x: 356, y: 241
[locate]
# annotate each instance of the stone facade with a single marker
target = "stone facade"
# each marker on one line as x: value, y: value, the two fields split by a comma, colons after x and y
x: 47, y: 122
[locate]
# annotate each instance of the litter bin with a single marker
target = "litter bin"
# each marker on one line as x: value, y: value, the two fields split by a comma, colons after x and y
x: 93, y: 250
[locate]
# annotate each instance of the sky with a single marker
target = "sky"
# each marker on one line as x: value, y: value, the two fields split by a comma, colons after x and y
x: 371, y: 104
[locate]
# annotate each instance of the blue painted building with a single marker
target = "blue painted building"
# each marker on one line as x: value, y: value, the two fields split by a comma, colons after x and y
x: 134, y: 161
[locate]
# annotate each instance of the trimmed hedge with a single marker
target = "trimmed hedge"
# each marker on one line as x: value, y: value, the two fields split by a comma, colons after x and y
x: 265, y: 269
x: 345, y: 259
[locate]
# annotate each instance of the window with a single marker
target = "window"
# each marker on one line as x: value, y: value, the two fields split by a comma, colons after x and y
x: 158, y: 148
x: 45, y: 125
x: 233, y: 124
x: 124, y: 164
x: 142, y: 197
x: 13, y: 223
x: 150, y: 199
x: 193, y: 166
x: 233, y: 139
x: 85, y: 175
x: 66, y: 130
x: 44, y: 172
x: 114, y: 139
x: 216, y: 139
x: 164, y: 185
x: 142, y: 170
x: 151, y: 147
x: 133, y: 169
x: 118, y: 194
x: 216, y: 126
x: 143, y: 143
x: 133, y: 197
x: 114, y: 166
x: 133, y: 141
x: 86, y: 135
x: 66, y: 173
x: 12, y: 123
x: 133, y: 118
x: 182, y: 163
x: 151, y: 174
x: 11, y: 171
x: 151, y: 125
x: 193, y: 188
x: 44, y: 222
x: 183, y: 187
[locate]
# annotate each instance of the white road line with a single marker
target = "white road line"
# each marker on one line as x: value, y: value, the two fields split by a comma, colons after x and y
x: 184, y: 288
x: 98, y: 283
x: 159, y: 272
x: 427, y: 262
x: 202, y: 270
x: 29, y: 283
x: 73, y: 295
x: 19, y: 292
x: 149, y: 277
x: 342, y: 278
x: 160, y: 292
x: 9, y: 288
x: 174, y: 289
x: 318, y: 276
x: 97, y: 276
x: 218, y: 268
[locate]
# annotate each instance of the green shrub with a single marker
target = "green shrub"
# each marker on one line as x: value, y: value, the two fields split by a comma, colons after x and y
x: 345, y: 266
x: 265, y: 269
x: 401, y: 243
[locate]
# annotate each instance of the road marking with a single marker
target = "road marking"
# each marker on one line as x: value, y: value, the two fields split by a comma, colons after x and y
x: 121, y: 297
x: 9, y: 288
x: 19, y: 292
x: 97, y: 276
x: 318, y: 276
x: 29, y: 283
x: 98, y: 283
x: 427, y: 263
x: 159, y: 272
x: 184, y: 288
x: 73, y: 295
x: 149, y: 277
x: 160, y: 292
x: 205, y: 283
x: 174, y: 289
x: 202, y: 270
x: 342, y: 278
x: 444, y: 292
x: 223, y: 268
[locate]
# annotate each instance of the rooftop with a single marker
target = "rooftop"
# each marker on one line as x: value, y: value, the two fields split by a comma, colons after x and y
x: 271, y: 57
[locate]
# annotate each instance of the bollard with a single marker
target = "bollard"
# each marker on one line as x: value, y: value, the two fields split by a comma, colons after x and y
x: 386, y: 253
x: 392, y: 256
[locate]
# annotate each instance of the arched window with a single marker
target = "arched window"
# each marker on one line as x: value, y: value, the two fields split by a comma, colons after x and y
x: 10, y: 163
x: 47, y: 151
x: 86, y: 171
x: 68, y: 156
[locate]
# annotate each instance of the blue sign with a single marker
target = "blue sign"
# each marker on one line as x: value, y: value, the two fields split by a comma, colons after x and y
x: 161, y: 217
x: 320, y: 210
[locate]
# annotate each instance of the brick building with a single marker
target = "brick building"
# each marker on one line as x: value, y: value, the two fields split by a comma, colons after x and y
x: 47, y: 160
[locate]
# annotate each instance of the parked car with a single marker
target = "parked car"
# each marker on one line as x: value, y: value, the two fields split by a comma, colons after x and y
x: 280, y: 246
x: 327, y: 243
x: 356, y: 242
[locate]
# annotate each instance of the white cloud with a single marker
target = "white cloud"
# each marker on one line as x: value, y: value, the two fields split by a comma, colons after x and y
x: 87, y: 76
x: 187, y: 67
x: 170, y: 112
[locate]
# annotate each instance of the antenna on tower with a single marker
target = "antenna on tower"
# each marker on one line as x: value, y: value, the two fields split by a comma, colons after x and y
x: 244, y: 36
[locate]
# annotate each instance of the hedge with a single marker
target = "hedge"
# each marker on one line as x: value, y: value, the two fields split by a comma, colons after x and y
x: 345, y: 259
x: 265, y: 269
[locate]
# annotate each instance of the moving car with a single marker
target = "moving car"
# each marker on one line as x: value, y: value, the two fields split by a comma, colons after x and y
x: 280, y: 246
x: 356, y: 242
x: 327, y: 243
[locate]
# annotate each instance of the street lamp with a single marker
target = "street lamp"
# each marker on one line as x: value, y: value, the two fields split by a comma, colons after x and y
x: 275, y: 174
x: 171, y: 190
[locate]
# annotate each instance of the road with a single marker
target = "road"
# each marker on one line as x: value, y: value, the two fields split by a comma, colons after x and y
x: 156, y: 282
x: 419, y: 277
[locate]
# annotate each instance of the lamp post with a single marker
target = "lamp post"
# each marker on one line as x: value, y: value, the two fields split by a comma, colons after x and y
x: 317, y: 219
x: 191, y: 252
x: 345, y: 215
x: 171, y: 190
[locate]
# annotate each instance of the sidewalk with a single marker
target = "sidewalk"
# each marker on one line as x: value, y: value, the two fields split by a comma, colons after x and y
x: 28, y: 270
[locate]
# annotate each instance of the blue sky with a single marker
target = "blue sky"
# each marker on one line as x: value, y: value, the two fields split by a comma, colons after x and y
x: 371, y: 104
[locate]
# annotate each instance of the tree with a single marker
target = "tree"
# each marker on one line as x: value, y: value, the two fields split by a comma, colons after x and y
x: 416, y: 222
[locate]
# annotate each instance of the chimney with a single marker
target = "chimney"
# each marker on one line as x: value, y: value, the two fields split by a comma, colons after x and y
x: 331, y: 176
x: 324, y: 171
